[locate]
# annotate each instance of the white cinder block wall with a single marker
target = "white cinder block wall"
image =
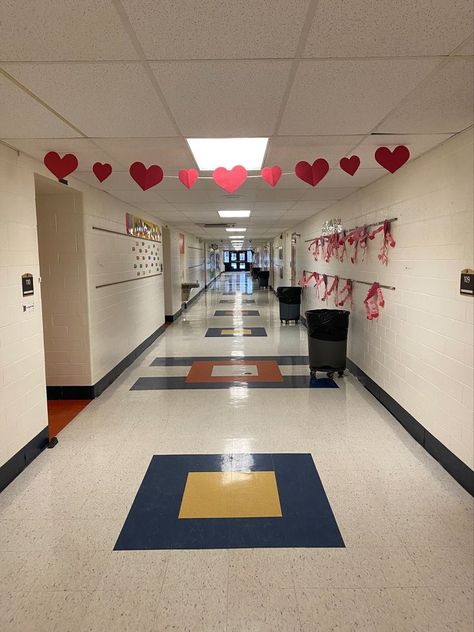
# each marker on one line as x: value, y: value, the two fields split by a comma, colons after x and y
x: 23, y: 411
x: 64, y: 288
x: 420, y: 351
x: 121, y: 315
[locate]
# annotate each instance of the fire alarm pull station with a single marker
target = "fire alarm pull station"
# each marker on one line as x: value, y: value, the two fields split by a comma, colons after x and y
x: 467, y: 282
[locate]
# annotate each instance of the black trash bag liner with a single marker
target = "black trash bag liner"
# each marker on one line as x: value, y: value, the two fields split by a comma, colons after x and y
x: 289, y: 295
x: 264, y: 274
x: 327, y: 324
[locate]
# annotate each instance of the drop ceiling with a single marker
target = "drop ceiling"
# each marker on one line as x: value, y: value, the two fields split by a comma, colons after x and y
x: 119, y: 81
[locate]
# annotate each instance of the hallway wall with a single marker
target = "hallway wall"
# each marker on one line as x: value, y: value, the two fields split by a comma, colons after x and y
x: 23, y: 412
x: 420, y: 351
x: 121, y: 317
x: 64, y: 288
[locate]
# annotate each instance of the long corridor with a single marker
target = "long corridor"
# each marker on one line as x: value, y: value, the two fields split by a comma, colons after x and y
x: 216, y: 487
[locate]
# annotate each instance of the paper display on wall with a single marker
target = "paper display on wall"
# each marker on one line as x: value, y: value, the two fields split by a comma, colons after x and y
x: 138, y: 227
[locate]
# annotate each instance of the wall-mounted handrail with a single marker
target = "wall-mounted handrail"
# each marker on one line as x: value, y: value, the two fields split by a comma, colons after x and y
x: 349, y: 230
x: 141, y: 278
x: 333, y: 276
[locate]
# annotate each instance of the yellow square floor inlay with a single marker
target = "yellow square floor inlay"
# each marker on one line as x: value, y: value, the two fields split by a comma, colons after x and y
x: 230, y: 495
x: 236, y: 332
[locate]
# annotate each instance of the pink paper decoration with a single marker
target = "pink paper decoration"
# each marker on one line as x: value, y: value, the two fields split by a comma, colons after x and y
x: 350, y: 165
x: 392, y: 160
x: 271, y: 174
x: 188, y: 177
x: 101, y: 171
x: 146, y: 178
x: 231, y: 180
x: 60, y: 167
x: 312, y: 174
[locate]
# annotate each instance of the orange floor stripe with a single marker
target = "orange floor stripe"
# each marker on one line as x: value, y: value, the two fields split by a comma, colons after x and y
x: 63, y: 411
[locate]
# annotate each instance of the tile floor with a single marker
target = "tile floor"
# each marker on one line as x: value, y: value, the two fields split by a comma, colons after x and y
x: 407, y: 526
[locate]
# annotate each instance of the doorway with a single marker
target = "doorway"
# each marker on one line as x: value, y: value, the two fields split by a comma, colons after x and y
x: 60, y: 230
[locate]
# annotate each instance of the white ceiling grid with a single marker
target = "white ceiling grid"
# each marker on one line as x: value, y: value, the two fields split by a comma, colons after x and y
x: 125, y: 80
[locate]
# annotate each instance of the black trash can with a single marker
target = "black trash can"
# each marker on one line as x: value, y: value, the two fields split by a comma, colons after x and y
x: 255, y: 272
x: 290, y: 300
x: 263, y: 278
x: 327, y: 340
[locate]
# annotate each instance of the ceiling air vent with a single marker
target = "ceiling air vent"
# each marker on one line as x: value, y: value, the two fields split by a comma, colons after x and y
x: 218, y: 225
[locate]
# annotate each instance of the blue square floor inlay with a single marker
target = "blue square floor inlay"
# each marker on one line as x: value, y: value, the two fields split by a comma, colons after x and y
x: 307, y: 519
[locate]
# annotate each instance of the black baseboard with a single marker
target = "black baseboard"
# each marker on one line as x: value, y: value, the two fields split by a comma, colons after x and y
x: 170, y: 318
x: 93, y: 391
x: 14, y: 466
x: 451, y: 463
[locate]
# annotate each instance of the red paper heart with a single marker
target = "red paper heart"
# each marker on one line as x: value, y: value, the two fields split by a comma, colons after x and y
x: 392, y: 160
x: 188, y: 177
x: 101, y: 171
x: 146, y: 177
x: 271, y: 174
x: 312, y: 174
x: 231, y: 180
x: 60, y: 167
x: 350, y: 165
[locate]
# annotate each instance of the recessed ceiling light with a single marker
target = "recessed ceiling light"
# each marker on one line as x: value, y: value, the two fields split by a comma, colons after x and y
x: 210, y: 153
x: 236, y: 237
x: 236, y: 230
x: 234, y: 213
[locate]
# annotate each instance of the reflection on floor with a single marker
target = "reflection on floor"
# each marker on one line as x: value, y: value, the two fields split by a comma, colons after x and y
x: 61, y: 412
x: 228, y: 501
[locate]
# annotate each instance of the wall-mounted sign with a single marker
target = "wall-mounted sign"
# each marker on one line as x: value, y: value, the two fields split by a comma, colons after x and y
x: 138, y: 227
x: 467, y: 282
x: 27, y: 284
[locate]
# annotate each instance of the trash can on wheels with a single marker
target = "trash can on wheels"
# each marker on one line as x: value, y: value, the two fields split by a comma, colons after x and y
x: 255, y: 272
x: 263, y: 278
x: 327, y: 340
x: 290, y: 301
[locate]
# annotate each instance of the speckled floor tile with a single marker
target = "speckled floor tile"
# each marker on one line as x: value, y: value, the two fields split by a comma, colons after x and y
x: 262, y: 610
x: 327, y: 610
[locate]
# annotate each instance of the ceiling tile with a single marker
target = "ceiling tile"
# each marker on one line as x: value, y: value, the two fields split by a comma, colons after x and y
x: 417, y: 144
x: 349, y: 97
x: 60, y: 30
x: 286, y: 151
x: 358, y: 28
x: 86, y: 152
x: 319, y: 193
x: 441, y: 104
x: 362, y: 177
x: 214, y: 29
x: 22, y: 116
x: 467, y: 47
x: 310, y: 207
x: 115, y: 99
x: 171, y: 154
x: 224, y: 98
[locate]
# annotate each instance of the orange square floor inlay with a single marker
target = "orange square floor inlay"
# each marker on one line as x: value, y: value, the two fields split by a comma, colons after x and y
x: 201, y: 371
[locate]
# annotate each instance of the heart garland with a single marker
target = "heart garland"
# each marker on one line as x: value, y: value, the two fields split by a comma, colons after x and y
x: 101, y: 171
x: 350, y: 165
x: 231, y: 180
x: 188, y: 177
x: 312, y: 174
x: 271, y: 175
x: 146, y: 178
x: 392, y: 160
x: 60, y: 167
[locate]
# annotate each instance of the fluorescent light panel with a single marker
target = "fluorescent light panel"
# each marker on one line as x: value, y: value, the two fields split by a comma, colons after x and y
x: 236, y: 230
x: 210, y: 153
x: 234, y: 214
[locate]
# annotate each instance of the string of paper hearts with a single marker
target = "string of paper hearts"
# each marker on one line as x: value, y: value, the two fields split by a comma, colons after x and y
x: 233, y: 179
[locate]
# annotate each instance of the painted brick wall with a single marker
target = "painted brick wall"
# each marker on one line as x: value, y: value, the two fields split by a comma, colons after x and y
x: 64, y: 288
x: 23, y: 412
x: 421, y: 349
